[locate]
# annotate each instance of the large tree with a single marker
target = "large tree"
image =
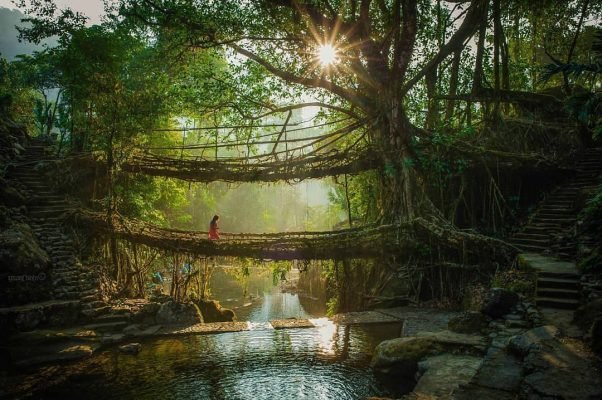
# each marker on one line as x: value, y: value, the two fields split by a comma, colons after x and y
x: 377, y: 61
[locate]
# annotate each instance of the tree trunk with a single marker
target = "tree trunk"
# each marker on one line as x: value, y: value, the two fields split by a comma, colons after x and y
x: 397, y: 178
x: 453, y: 85
x: 497, y: 24
x: 431, y: 93
x: 110, y: 204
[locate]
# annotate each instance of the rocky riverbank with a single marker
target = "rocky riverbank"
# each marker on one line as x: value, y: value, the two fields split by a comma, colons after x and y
x: 501, y: 353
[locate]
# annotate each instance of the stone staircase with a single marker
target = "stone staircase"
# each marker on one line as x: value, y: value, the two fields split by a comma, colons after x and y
x: 557, y: 214
x: 70, y: 281
x: 558, y: 284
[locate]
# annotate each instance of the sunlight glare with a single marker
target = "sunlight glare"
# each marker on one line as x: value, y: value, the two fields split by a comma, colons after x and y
x: 327, y: 54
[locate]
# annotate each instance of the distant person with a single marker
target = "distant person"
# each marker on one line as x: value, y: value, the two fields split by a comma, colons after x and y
x: 213, y: 228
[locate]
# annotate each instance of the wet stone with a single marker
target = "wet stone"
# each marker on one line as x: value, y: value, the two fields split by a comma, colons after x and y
x: 130, y: 348
x: 290, y: 323
x: 500, y: 371
x: 364, y: 317
x: 442, y: 374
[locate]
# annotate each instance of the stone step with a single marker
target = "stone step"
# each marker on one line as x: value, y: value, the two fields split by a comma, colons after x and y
x: 95, y: 304
x: 89, y: 299
x: 565, y: 304
x: 551, y: 222
x: 93, y: 312
x: 47, y: 212
x: 527, y: 247
x: 531, y: 235
x: 111, y: 318
x: 560, y: 275
x: 539, y: 230
x: 531, y: 241
x: 558, y: 293
x: 558, y: 283
x: 107, y: 326
x: 53, y: 208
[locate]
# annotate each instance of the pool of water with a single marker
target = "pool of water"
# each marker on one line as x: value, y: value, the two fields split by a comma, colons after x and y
x: 326, y: 362
x: 329, y: 362
x: 258, y: 298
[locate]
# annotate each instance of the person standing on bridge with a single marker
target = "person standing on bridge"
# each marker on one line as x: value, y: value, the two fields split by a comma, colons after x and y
x: 213, y: 228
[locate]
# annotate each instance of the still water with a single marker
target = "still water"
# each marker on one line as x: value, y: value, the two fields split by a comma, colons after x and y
x: 327, y: 362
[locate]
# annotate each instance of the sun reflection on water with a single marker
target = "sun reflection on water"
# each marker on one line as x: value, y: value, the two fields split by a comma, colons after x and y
x: 326, y: 334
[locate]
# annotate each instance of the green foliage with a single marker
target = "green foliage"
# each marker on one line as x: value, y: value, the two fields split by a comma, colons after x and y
x: 591, y: 215
x: 473, y: 298
x: 332, y: 306
x: 279, y: 271
x: 520, y: 281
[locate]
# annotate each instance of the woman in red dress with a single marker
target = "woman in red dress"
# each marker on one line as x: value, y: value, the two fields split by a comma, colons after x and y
x: 213, y: 228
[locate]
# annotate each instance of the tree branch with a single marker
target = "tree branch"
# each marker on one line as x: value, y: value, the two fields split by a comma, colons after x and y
x: 457, y: 41
x: 309, y: 82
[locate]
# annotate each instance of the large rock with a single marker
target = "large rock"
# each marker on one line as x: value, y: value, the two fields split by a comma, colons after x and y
x: 146, y: 313
x: 9, y: 195
x: 131, y: 348
x: 401, y: 355
x: 468, y: 322
x: 561, y: 369
x: 595, y: 335
x: 532, y: 339
x: 172, y: 313
x: 20, y: 251
x: 499, y: 302
x: 24, y: 318
x: 585, y: 315
x: 441, y: 374
x: 212, y: 311
x: 51, y: 353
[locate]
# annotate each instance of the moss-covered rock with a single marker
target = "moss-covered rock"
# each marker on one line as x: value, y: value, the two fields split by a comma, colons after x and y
x: 468, y: 322
x: 212, y: 311
x: 20, y: 252
x: 400, y: 356
x: 173, y: 313
x: 403, y: 354
x: 10, y: 196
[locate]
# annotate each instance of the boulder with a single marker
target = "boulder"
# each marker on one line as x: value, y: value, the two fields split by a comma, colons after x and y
x: 28, y: 320
x: 171, y: 313
x: 499, y: 302
x: 131, y: 348
x: 21, y: 253
x: 532, y: 339
x: 442, y: 374
x: 585, y: 315
x: 468, y: 322
x: 9, y: 195
x: 401, y: 355
x: 50, y: 353
x: 212, y: 311
x: 595, y: 334
x: 146, y: 313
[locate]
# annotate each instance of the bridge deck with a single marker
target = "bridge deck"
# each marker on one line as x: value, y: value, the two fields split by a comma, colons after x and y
x: 364, y: 242
x: 203, y: 170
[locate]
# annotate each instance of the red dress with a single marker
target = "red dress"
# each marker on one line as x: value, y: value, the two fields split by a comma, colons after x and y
x: 213, y: 231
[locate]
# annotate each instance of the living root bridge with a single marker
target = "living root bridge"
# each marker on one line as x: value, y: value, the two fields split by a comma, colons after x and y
x: 366, y: 242
x: 244, y: 170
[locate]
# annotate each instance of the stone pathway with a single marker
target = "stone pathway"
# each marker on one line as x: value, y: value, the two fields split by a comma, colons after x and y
x: 558, y: 282
x: 557, y: 213
x: 70, y: 280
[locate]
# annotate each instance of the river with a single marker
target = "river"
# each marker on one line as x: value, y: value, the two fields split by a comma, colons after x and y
x: 326, y: 362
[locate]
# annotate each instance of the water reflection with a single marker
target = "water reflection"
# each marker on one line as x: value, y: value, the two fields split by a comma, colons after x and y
x: 257, y: 298
x: 325, y: 363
